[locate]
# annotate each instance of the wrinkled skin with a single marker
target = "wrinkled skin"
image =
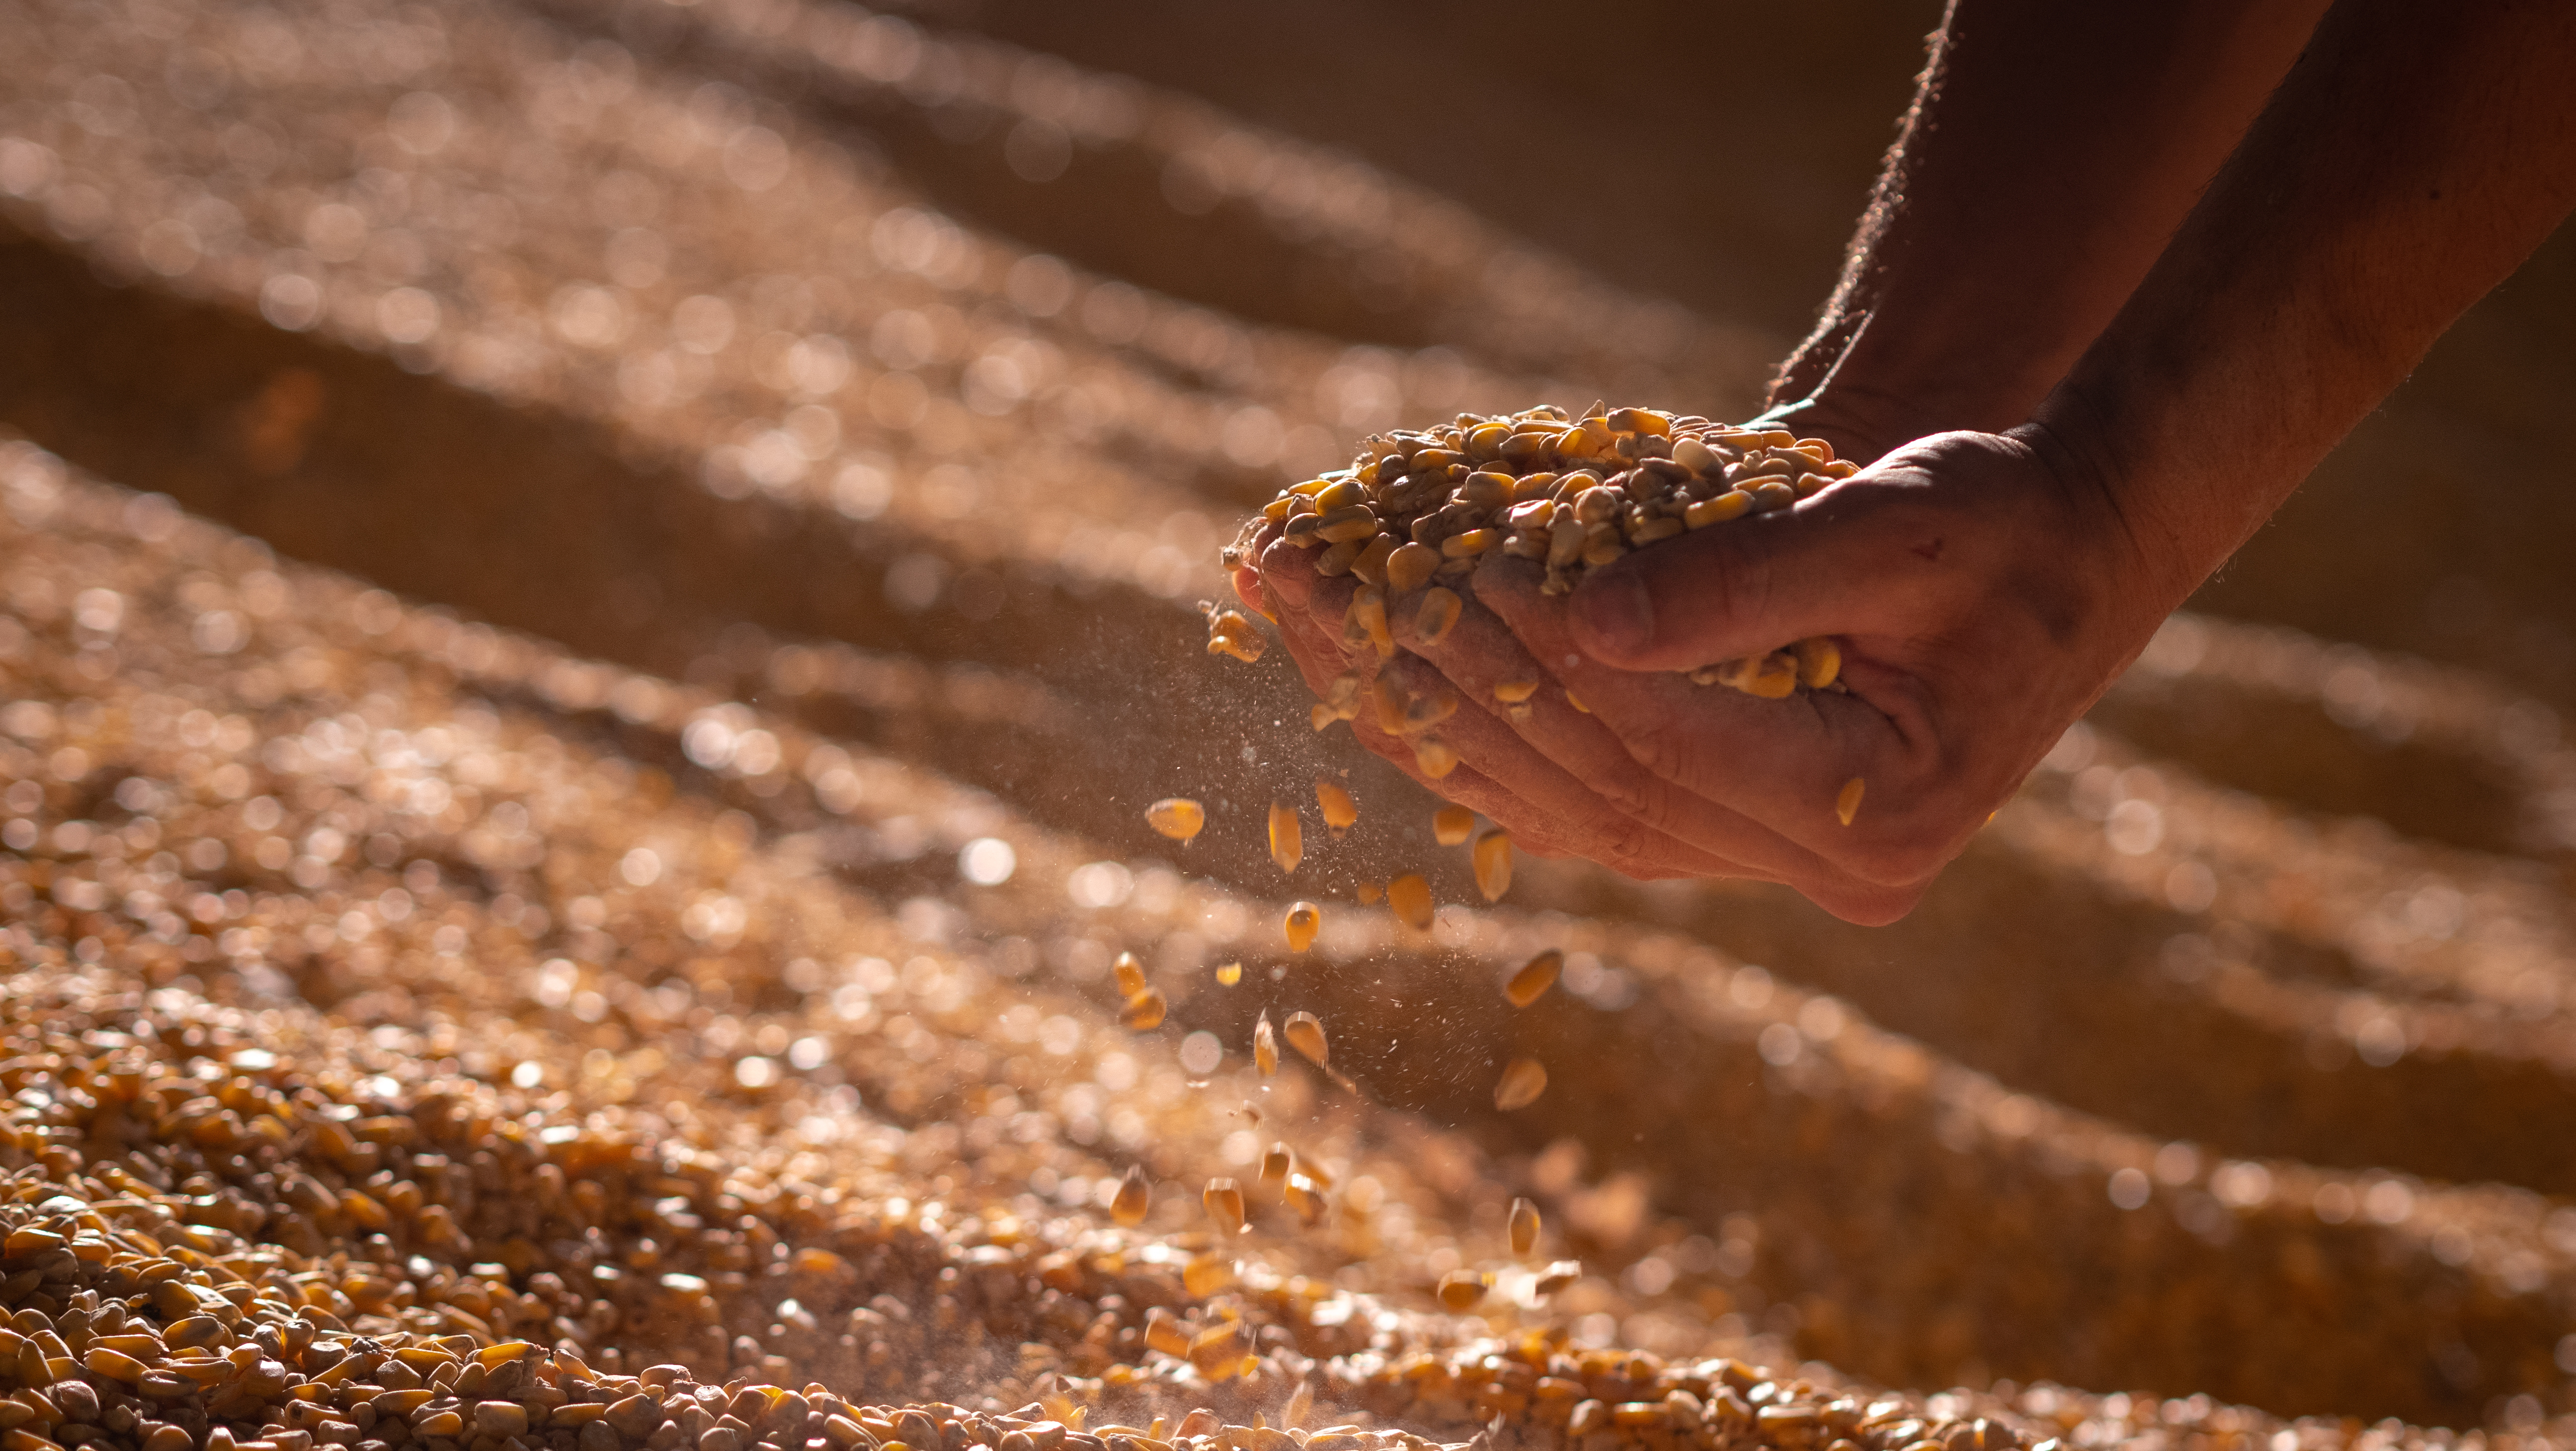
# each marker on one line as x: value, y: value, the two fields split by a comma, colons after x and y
x: 1983, y: 594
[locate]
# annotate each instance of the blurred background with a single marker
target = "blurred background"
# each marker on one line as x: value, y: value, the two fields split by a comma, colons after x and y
x: 893, y: 376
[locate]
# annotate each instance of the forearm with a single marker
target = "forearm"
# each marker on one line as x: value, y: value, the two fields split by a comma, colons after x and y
x: 2413, y: 158
x: 2051, y: 152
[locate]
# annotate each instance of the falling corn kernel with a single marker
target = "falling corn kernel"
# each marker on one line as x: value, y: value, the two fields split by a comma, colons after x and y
x: 1559, y: 1275
x: 1523, y: 1226
x: 1224, y: 1203
x: 1523, y: 1080
x: 1305, y: 1199
x: 1144, y: 1012
x: 1513, y: 692
x: 1462, y: 1290
x: 1228, y: 974
x: 1163, y: 1332
x: 1437, y: 616
x: 1305, y: 1033
x: 1230, y: 632
x: 1265, y: 1046
x: 1287, y: 837
x: 1274, y: 1163
x: 1177, y: 817
x: 1847, y: 803
x: 1135, y: 1196
x: 1535, y: 977
x: 1451, y: 825
x: 1340, y: 811
x: 1410, y: 898
x: 1820, y: 662
x: 1129, y: 973
x: 1493, y: 859
x: 1369, y: 893
x: 1304, y: 920
x: 1436, y: 757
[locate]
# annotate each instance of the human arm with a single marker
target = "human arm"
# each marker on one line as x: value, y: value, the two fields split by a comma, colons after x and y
x: 2050, y: 152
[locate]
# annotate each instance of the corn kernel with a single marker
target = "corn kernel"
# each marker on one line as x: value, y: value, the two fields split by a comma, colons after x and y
x: 1340, y: 811
x: 1847, y: 801
x: 1287, y: 837
x: 1135, y: 1196
x: 1410, y: 898
x: 1534, y: 978
x: 1820, y: 662
x: 1335, y: 562
x: 1437, y: 616
x: 1228, y: 974
x: 1276, y: 1158
x: 1368, y: 617
x: 1640, y: 420
x: 1523, y: 1226
x: 1177, y: 817
x: 1493, y: 859
x: 1469, y: 544
x: 1370, y: 564
x: 1224, y: 1201
x: 1409, y: 567
x: 1523, y: 1080
x: 1452, y: 825
x: 1572, y: 700
x: 1304, y: 920
x: 1732, y: 504
x: 1513, y: 692
x: 1265, y: 1046
x: 1429, y: 709
x: 1436, y: 757
x: 1129, y: 973
x: 1305, y: 1033
x: 1144, y: 1011
x: 1462, y: 1290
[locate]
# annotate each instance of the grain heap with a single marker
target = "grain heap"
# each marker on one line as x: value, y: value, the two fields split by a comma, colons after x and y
x: 1417, y: 510
x: 773, y: 962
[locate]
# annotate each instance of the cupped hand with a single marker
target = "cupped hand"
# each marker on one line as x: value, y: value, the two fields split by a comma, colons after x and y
x: 1982, y: 590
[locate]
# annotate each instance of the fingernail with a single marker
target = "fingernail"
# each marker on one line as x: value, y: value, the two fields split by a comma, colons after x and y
x: 1613, y: 615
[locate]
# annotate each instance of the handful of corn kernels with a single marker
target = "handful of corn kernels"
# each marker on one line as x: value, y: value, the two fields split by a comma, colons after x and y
x: 1419, y: 508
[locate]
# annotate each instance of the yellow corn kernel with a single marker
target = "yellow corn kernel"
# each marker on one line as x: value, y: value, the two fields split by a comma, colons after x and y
x: 1177, y: 817
x: 1523, y: 1226
x: 1231, y: 633
x: 1773, y: 494
x: 1810, y: 483
x: 1277, y: 509
x: 1820, y: 662
x: 1409, y: 896
x: 1320, y: 715
x: 1409, y: 567
x: 1387, y: 704
x: 1304, y: 920
x: 1429, y: 709
x: 1523, y: 1080
x: 1841, y: 468
x: 1368, y: 617
x: 1275, y: 1159
x: 1339, y: 494
x: 1847, y: 803
x: 1570, y: 699
x: 1305, y: 1198
x: 1369, y: 893
x: 1493, y: 859
x: 1335, y: 562
x: 1603, y: 545
x: 1696, y: 456
x: 1732, y: 504
x: 1287, y: 837
x: 1299, y: 531
x: 1224, y: 1201
x: 1355, y: 522
x: 1487, y: 442
x: 1370, y: 565
x: 1265, y: 1047
x: 1486, y: 489
x: 1135, y: 1196
x: 1228, y: 974
x: 1769, y: 677
x: 1558, y: 1275
x: 1451, y: 825
x: 1461, y: 1290
x: 1654, y: 530
x: 1530, y: 487
x: 1340, y: 811
x: 1535, y: 977
x: 1823, y: 451
x: 1144, y: 1012
x: 1129, y: 974
x: 1437, y: 616
x: 1513, y: 692
x: 1436, y: 757
x: 1305, y: 1033
x: 1312, y: 487
x: 1640, y: 420
x: 1470, y: 544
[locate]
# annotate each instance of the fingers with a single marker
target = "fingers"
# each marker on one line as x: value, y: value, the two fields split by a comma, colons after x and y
x: 1753, y: 779
x: 1755, y: 584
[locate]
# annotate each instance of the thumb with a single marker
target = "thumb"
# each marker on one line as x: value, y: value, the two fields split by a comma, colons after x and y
x: 1743, y: 587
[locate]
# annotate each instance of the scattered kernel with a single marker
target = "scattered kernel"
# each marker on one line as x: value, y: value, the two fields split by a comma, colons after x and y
x: 1451, y: 825
x: 1177, y: 817
x: 1523, y: 1080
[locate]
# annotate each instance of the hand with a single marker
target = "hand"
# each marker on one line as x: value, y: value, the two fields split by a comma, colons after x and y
x: 1982, y: 590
